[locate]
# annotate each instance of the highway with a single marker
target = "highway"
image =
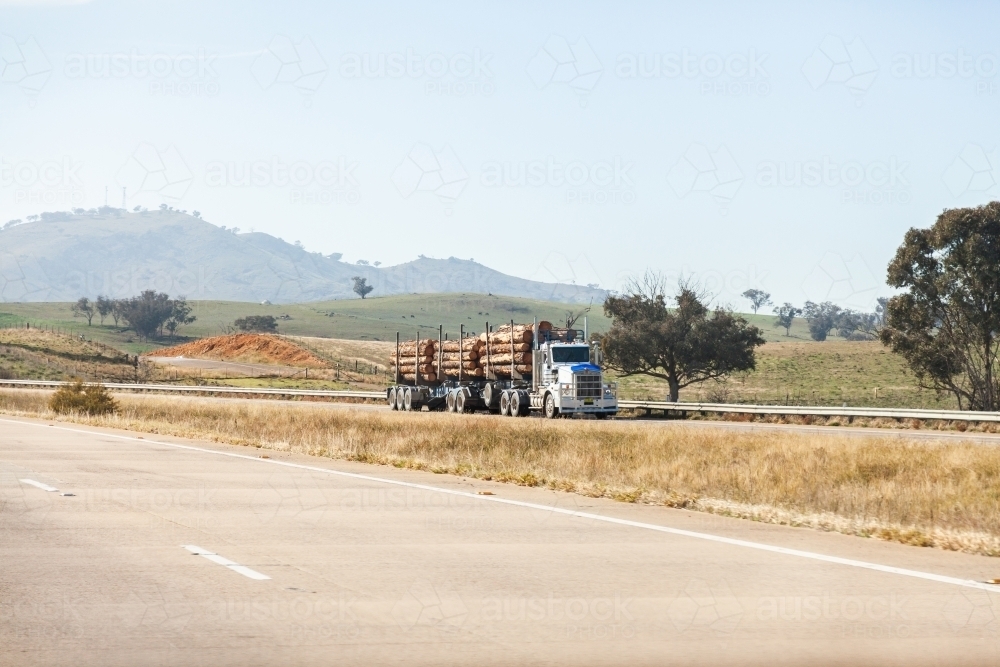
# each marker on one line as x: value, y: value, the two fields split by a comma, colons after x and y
x: 121, y: 549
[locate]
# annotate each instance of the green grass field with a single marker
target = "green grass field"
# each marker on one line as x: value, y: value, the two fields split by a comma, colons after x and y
x: 358, y: 319
x: 376, y: 318
x: 792, y: 369
x: 834, y: 372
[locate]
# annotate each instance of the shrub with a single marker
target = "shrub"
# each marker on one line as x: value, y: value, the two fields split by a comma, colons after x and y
x: 91, y: 399
x: 258, y: 323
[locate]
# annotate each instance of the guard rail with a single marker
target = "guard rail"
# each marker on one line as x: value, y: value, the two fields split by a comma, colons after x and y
x: 665, y: 406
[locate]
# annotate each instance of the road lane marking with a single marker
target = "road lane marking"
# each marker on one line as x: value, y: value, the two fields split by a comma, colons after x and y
x: 43, y: 487
x: 221, y: 560
x: 809, y: 555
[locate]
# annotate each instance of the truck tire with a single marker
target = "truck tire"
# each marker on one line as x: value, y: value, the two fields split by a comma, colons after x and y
x: 460, y: 401
x: 400, y: 395
x: 520, y: 405
x: 491, y: 395
x: 505, y: 403
x: 390, y: 398
x: 601, y: 415
x: 407, y: 400
x: 551, y: 411
x: 450, y: 401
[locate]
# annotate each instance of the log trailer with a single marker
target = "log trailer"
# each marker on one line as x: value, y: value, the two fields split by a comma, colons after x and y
x: 564, y: 379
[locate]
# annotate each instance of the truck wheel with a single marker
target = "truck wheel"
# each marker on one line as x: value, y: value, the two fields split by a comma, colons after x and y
x: 390, y: 398
x: 520, y: 405
x: 460, y: 402
x: 601, y: 415
x: 408, y: 400
x: 400, y: 395
x: 505, y: 403
x: 490, y: 395
x: 551, y: 411
x: 450, y: 401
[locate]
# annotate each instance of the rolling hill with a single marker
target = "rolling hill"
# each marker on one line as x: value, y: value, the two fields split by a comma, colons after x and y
x: 62, y: 256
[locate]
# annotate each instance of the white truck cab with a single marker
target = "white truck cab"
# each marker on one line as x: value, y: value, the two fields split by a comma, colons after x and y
x: 570, y: 383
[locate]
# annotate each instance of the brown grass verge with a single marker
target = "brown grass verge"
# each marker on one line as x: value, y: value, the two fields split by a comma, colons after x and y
x: 935, y: 494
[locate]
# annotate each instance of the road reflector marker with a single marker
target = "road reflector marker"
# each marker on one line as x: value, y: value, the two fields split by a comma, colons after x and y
x: 221, y: 560
x: 43, y: 487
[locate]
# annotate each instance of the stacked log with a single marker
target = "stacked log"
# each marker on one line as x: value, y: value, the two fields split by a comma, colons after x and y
x: 453, y: 356
x: 500, y: 342
x: 470, y: 356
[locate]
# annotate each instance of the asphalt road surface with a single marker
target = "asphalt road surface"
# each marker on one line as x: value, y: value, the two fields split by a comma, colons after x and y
x: 173, y: 552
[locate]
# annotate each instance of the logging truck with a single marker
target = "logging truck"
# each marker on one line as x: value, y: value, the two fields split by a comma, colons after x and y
x: 512, y: 371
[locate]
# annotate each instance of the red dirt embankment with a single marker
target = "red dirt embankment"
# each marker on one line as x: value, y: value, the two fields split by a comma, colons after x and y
x: 250, y: 348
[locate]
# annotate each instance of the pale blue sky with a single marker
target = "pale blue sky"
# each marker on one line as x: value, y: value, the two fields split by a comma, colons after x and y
x: 785, y: 146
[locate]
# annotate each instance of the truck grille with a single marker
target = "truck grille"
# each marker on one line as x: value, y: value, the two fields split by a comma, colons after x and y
x: 588, y: 385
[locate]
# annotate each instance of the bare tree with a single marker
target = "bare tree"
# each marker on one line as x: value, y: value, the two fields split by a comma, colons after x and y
x: 572, y: 316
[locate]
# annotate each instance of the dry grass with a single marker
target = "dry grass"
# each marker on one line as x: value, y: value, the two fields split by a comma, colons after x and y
x: 944, y: 495
x: 346, y: 352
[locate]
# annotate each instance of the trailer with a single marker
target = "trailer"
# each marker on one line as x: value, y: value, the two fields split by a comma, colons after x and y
x: 564, y: 378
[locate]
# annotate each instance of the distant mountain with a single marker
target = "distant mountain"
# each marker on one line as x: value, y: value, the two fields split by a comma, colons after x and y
x: 62, y: 256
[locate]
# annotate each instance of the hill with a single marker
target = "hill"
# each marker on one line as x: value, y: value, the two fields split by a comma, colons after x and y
x: 63, y: 256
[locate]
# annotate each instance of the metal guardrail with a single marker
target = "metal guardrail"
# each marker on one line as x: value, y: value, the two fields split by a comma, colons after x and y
x: 813, y: 411
x: 731, y: 408
x: 203, y: 389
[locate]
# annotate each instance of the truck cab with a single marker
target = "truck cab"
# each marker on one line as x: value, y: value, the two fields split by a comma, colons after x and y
x: 569, y: 382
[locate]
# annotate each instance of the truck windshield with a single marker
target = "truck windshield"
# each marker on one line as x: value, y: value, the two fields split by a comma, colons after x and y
x: 571, y: 355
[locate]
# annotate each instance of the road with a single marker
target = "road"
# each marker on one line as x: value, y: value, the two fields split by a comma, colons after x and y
x: 178, y: 552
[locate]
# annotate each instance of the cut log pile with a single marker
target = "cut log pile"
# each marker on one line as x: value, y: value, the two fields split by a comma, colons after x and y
x: 472, y: 356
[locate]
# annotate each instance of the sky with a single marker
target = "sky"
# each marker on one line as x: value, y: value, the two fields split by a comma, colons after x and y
x: 778, y: 146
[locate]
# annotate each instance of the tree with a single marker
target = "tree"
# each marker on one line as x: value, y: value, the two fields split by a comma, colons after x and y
x: 573, y: 316
x: 361, y: 286
x: 180, y: 314
x: 683, y: 345
x: 758, y: 299
x: 257, y: 323
x: 786, y: 315
x: 117, y: 308
x: 84, y: 308
x: 146, y: 313
x: 947, y: 322
x: 822, y: 318
x: 104, y: 307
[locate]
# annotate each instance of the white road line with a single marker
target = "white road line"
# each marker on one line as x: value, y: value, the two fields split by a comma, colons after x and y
x: 916, y: 574
x: 235, y: 567
x: 43, y: 487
